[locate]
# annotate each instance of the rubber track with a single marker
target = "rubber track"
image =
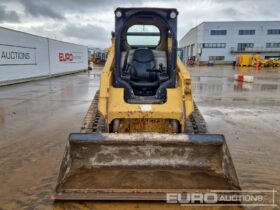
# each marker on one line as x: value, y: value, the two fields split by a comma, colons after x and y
x: 196, y: 123
x: 93, y: 121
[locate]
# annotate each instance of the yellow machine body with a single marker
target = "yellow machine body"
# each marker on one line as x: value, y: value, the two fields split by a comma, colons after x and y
x: 179, y: 104
x: 247, y: 59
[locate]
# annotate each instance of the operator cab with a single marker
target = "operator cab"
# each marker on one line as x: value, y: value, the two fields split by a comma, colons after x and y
x: 146, y: 51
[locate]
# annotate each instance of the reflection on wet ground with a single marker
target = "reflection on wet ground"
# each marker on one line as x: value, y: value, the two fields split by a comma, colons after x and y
x: 217, y: 83
x: 36, y: 118
x: 248, y: 114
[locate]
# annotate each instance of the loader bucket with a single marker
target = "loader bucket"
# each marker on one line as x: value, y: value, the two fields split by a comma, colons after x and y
x: 143, y: 166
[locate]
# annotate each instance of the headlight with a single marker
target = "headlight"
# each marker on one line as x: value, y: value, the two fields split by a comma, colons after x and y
x: 118, y: 14
x: 173, y: 14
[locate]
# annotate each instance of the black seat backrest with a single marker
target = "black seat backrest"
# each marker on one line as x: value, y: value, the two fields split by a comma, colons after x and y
x: 142, y: 61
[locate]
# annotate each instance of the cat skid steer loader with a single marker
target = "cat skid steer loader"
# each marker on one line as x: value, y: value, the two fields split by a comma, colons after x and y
x: 143, y: 135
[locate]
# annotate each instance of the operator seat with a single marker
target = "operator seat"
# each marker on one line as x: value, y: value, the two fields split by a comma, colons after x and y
x: 143, y: 79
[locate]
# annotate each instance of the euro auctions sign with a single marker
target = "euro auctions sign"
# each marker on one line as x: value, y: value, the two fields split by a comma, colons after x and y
x: 17, y: 55
x: 65, y: 57
x: 70, y: 57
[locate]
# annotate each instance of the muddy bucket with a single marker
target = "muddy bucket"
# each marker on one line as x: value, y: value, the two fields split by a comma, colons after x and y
x: 143, y: 166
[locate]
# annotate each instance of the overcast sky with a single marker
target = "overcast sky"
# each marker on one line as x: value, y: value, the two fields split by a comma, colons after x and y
x: 90, y: 22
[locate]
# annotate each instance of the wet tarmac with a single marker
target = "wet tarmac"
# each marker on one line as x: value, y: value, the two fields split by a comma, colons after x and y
x: 36, y: 118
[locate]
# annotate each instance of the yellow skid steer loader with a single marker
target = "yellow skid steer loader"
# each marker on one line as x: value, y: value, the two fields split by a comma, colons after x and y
x: 143, y: 135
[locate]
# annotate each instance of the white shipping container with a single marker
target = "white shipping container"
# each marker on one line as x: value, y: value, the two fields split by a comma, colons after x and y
x: 25, y: 56
x: 22, y: 55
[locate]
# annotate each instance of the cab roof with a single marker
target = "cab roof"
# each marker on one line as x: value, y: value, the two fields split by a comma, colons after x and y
x: 124, y: 9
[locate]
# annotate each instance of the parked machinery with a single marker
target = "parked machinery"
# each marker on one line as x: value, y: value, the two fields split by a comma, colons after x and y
x: 99, y: 56
x: 245, y: 60
x: 143, y: 135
